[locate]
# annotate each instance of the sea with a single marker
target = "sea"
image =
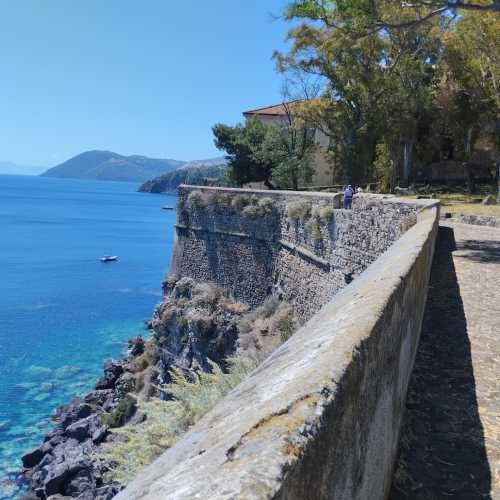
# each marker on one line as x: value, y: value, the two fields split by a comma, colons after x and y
x: 63, y: 312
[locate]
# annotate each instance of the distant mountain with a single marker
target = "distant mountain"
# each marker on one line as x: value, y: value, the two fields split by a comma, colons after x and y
x: 212, y: 162
x: 109, y: 166
x: 197, y: 175
x: 7, y: 167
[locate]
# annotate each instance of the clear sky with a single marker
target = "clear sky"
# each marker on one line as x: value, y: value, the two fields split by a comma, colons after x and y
x: 132, y: 76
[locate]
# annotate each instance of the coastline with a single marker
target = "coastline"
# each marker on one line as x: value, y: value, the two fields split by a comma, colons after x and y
x: 63, y: 311
x: 196, y: 329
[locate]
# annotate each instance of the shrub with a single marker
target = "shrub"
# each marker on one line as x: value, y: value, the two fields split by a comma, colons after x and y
x: 298, y: 211
x: 251, y: 211
x: 313, y: 228
x: 240, y: 201
x: 138, y: 445
x: 196, y: 200
x: 149, y: 357
x: 125, y: 409
x: 140, y: 363
x: 266, y: 206
x: 326, y: 213
x: 284, y: 322
x: 221, y: 201
x: 206, y: 294
x: 180, y: 204
x: 408, y: 222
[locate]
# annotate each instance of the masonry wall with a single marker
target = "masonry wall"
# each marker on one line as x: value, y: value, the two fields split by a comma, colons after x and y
x: 320, y: 418
x: 253, y: 256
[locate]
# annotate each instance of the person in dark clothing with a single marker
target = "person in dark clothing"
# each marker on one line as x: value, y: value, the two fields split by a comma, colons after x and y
x: 348, y: 194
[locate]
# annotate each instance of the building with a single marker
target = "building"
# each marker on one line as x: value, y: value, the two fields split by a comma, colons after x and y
x: 281, y: 115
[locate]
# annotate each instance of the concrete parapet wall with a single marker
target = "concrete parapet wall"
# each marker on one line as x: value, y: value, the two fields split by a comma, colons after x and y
x: 254, y: 256
x: 320, y: 418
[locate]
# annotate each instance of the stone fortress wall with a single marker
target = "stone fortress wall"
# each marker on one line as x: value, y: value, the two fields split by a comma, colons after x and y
x: 306, y: 260
x: 320, y: 418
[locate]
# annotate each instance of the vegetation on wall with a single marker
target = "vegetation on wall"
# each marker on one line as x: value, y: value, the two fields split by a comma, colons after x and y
x: 249, y: 206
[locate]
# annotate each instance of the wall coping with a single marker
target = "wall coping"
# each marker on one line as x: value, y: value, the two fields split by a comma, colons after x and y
x: 421, y: 203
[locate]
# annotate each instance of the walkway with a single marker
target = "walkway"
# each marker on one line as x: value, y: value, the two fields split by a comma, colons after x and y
x: 450, y: 443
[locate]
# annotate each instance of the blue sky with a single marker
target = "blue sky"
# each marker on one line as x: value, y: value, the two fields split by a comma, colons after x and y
x: 135, y: 77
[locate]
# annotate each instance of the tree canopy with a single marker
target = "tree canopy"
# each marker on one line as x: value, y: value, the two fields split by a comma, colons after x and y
x: 403, y: 74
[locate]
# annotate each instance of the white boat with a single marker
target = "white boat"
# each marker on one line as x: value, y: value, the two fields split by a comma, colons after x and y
x: 109, y: 258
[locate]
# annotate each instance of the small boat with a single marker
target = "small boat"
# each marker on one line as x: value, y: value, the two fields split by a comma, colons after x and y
x: 109, y: 258
x: 167, y: 207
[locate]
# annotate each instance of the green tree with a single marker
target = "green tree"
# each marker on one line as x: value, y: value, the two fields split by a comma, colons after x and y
x: 242, y: 144
x: 355, y: 71
x: 278, y: 155
x: 288, y: 147
x: 470, y: 89
x: 384, y: 168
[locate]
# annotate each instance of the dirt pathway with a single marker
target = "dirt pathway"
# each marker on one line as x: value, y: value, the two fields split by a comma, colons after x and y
x: 450, y: 442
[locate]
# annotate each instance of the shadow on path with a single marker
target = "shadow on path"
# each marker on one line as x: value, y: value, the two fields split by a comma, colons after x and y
x: 442, y: 452
x: 481, y: 251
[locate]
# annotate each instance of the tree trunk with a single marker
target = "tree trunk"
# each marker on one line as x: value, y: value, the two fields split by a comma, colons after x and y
x: 408, y: 161
x: 349, y: 154
x: 469, y: 176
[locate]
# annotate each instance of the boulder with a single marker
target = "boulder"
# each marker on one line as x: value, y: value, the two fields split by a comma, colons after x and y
x: 80, y: 485
x: 83, y: 429
x: 76, y: 410
x: 112, y: 370
x: 100, y: 434
x: 32, y: 458
x: 102, y: 398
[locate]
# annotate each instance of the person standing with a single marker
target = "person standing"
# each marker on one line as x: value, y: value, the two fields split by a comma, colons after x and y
x: 348, y: 194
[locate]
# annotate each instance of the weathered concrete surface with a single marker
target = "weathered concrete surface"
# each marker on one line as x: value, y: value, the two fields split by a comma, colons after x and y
x: 253, y: 257
x: 450, y: 443
x: 320, y: 418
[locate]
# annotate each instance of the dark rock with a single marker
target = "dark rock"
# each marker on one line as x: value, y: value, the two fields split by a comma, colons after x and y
x: 100, y: 434
x: 81, y: 485
x: 54, y: 479
x: 136, y: 346
x: 102, y: 398
x: 84, y: 428
x: 32, y: 458
x: 76, y: 410
x: 106, y: 492
x: 52, y: 434
x: 112, y: 370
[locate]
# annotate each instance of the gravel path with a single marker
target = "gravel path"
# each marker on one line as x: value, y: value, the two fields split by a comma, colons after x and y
x: 450, y: 442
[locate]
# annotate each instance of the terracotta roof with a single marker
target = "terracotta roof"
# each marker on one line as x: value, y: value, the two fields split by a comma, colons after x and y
x: 275, y: 110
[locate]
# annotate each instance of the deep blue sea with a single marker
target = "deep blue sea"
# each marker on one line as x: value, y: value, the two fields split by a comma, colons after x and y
x: 62, y: 311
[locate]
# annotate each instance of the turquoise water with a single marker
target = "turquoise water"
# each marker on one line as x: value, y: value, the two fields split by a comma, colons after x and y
x: 62, y: 311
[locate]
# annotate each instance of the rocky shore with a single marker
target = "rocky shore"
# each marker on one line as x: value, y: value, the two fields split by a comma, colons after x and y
x: 194, y: 325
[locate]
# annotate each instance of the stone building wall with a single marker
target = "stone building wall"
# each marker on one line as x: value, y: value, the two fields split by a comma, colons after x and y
x: 253, y: 256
